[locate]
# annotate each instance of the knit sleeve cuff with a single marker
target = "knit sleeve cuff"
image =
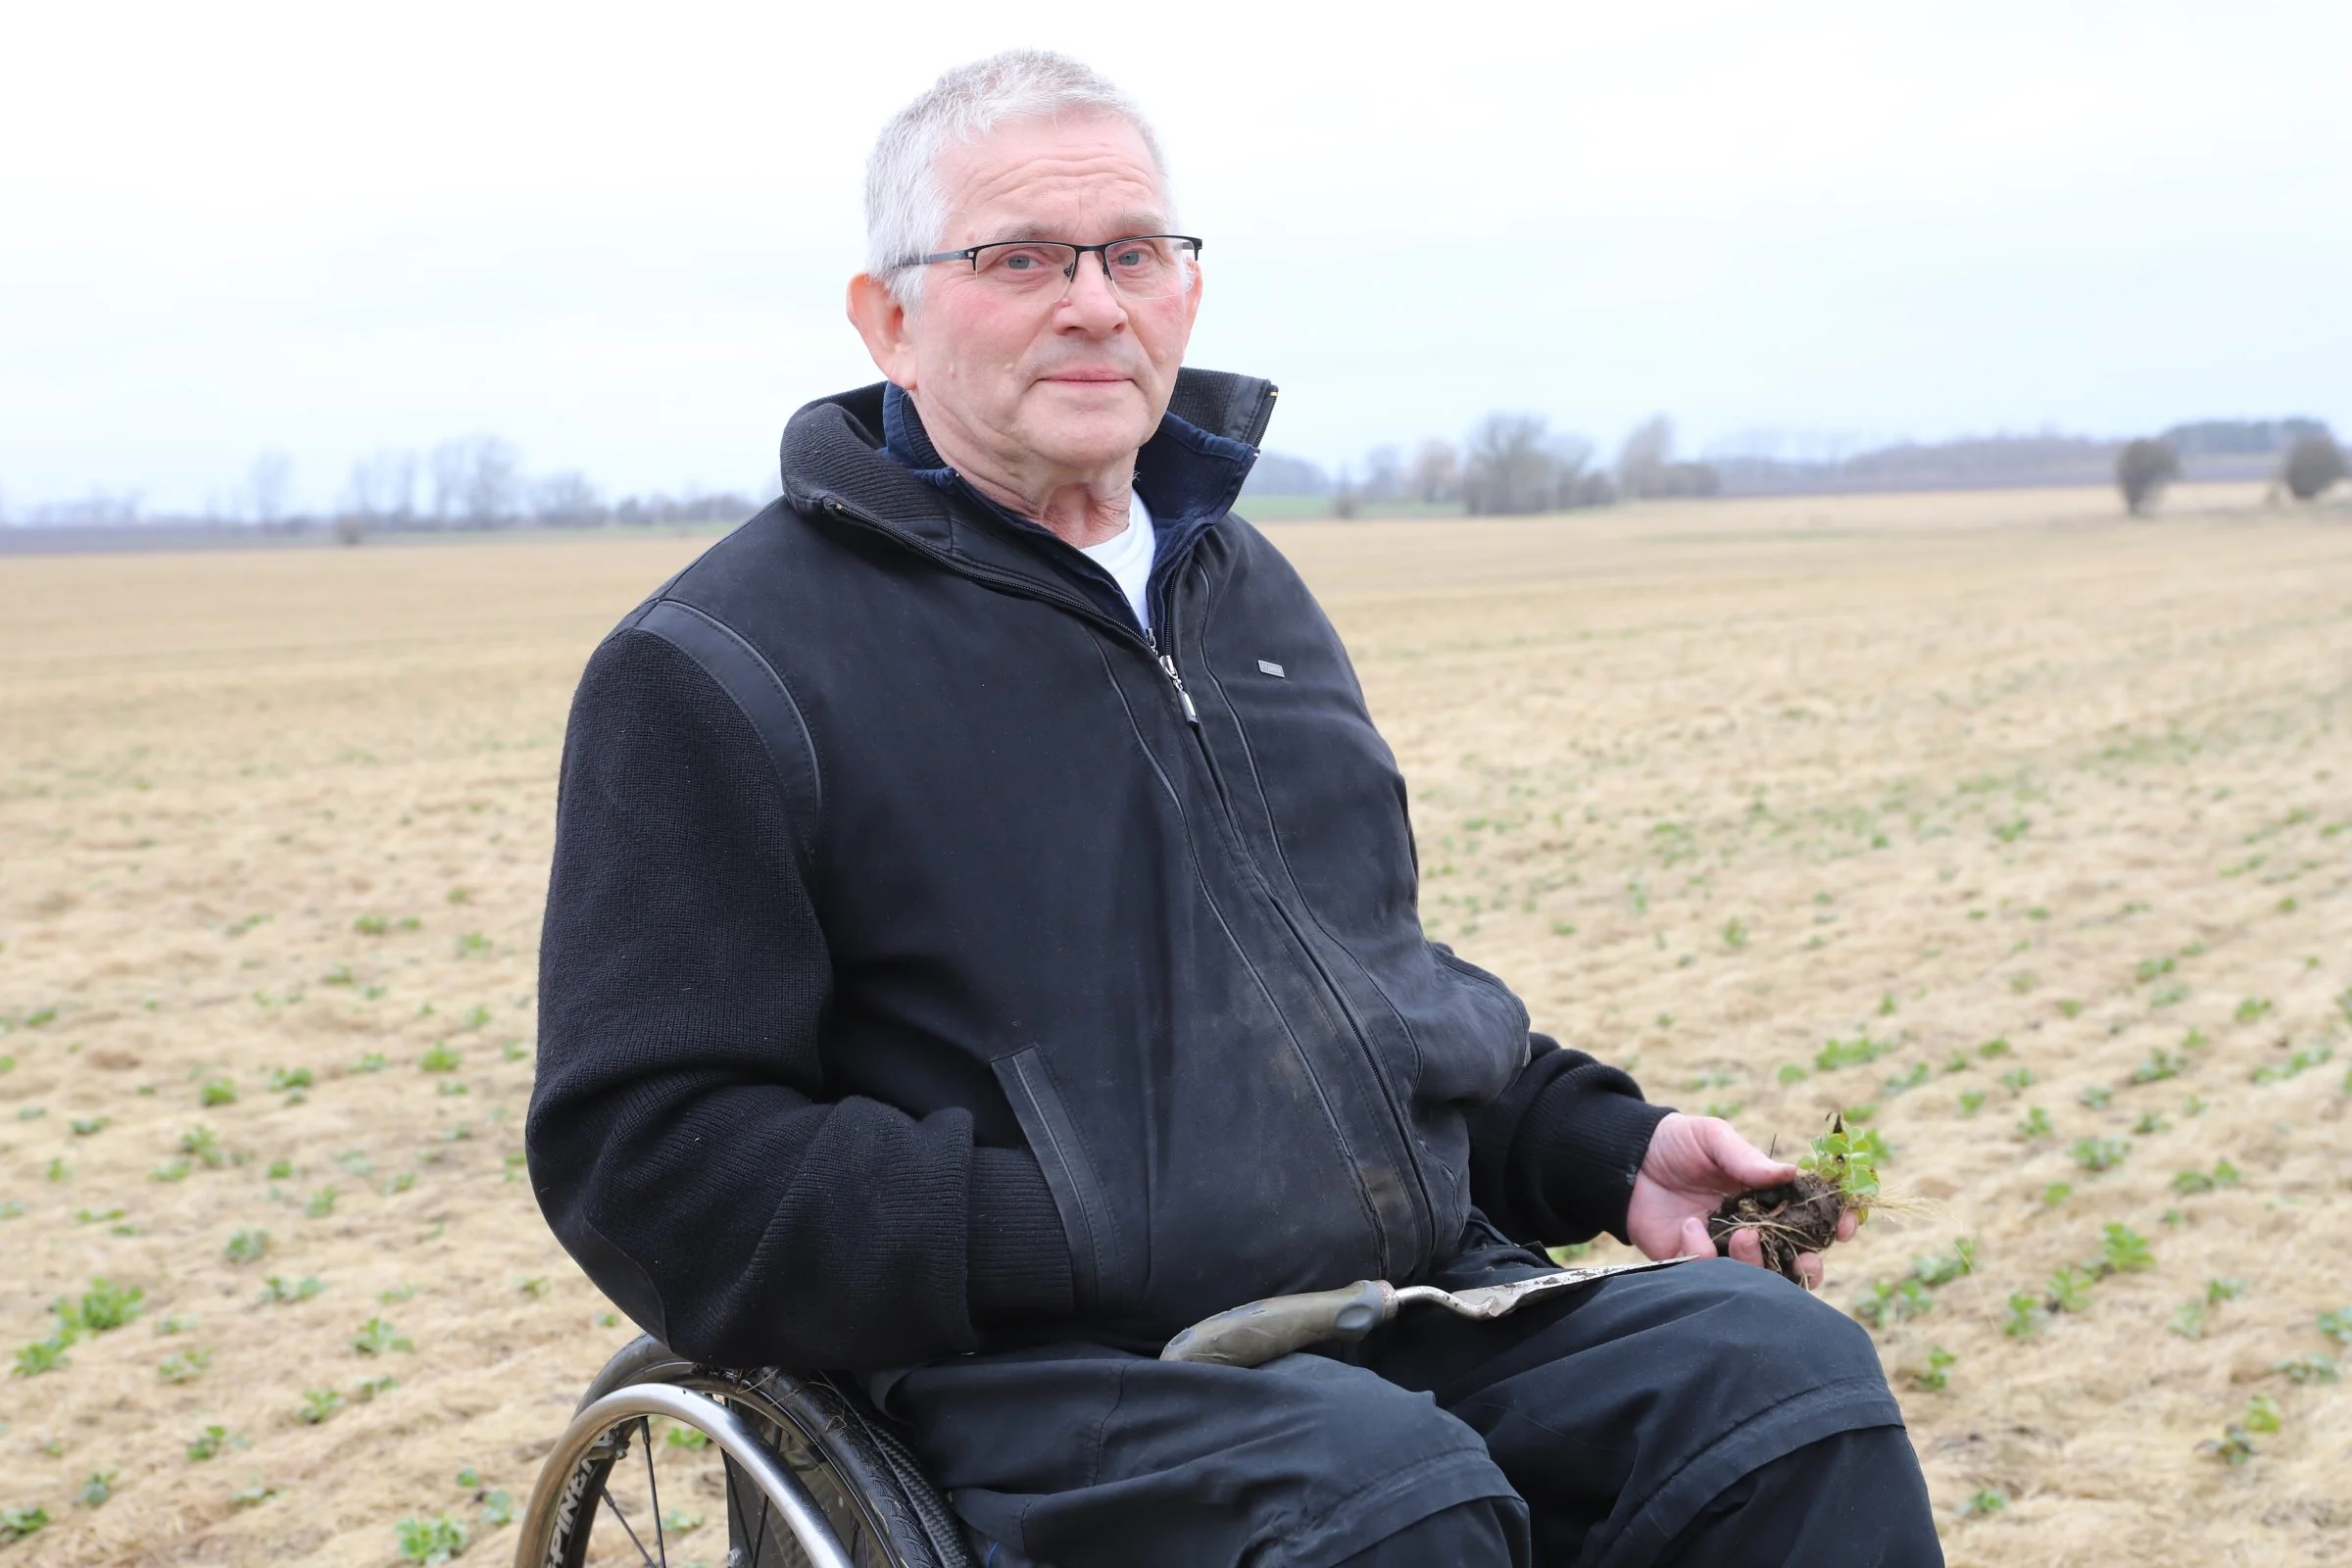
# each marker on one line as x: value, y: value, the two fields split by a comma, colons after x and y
x: 1588, y: 1142
x: 1017, y: 1256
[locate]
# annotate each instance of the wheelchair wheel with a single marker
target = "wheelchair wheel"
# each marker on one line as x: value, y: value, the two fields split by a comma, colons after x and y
x: 673, y: 1465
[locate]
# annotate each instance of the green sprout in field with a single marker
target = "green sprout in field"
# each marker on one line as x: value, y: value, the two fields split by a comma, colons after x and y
x: 430, y: 1540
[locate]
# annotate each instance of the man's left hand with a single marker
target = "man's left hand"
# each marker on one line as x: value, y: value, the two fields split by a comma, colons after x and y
x: 1693, y: 1163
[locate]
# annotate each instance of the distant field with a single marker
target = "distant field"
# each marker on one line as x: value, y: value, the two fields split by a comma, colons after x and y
x: 2028, y: 827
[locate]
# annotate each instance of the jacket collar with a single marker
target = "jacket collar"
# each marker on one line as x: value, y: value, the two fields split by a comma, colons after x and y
x: 866, y: 452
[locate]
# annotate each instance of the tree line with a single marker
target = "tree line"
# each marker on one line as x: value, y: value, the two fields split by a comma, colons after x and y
x: 1511, y: 465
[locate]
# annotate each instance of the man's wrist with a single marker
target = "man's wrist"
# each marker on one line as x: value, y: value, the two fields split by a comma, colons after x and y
x: 1590, y: 1142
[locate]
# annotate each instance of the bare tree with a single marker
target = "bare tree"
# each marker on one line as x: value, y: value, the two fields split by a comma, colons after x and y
x: 383, y: 488
x: 1436, y: 473
x: 1642, y: 460
x: 566, y: 497
x: 1515, y: 465
x: 2142, y: 469
x: 1384, y: 474
x: 452, y: 465
x: 492, y: 487
x: 266, y: 483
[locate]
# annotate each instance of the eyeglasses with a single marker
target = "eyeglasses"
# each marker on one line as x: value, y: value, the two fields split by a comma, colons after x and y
x: 1142, y: 266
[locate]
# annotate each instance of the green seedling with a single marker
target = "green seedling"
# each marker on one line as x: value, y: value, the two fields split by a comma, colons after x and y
x: 278, y: 1290
x: 171, y: 1170
x: 2068, y: 1289
x: 322, y: 1204
x: 212, y: 1443
x: 430, y: 1540
x: 2338, y: 1325
x: 2160, y: 1065
x: 251, y: 1496
x: 1982, y: 1503
x: 218, y: 1092
x: 2095, y: 1097
x: 2295, y: 1065
x: 1944, y: 1267
x: 2251, y: 1010
x: 377, y: 1337
x: 2148, y: 1124
x: 367, y: 1389
x: 1957, y: 1061
x: 439, y: 1059
x: 1936, y: 1376
x: 31, y: 1112
x: 1971, y: 1101
x: 2017, y: 1080
x: 285, y: 1079
x: 2123, y: 1250
x: 679, y: 1522
x: 2227, y: 1288
x: 373, y: 1062
x: 179, y: 1323
x: 1855, y: 1053
x: 472, y: 942
x: 42, y: 1355
x: 2099, y: 1153
x: 476, y: 1016
x: 89, y: 1126
x: 247, y: 1247
x: 280, y: 1170
x: 2036, y: 1124
x: 2025, y: 1315
x: 1850, y: 1163
x: 2056, y: 1192
x: 17, y: 1523
x: 1918, y: 1074
x: 201, y: 1146
x: 2307, y: 1369
x: 687, y: 1438
x: 2148, y: 969
x: 96, y: 1490
x: 186, y: 1366
x: 2187, y: 1320
x: 514, y: 1050
x: 498, y: 1509
x: 58, y: 1171
x: 107, y: 1305
x: 2262, y: 1414
x: 318, y: 1405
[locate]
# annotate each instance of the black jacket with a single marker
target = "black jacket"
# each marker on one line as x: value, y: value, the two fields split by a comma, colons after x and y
x: 934, y: 960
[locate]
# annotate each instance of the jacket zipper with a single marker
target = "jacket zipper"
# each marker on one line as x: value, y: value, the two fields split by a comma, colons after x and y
x: 1184, y: 699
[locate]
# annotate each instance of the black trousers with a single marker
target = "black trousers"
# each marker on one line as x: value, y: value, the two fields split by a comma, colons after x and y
x: 1708, y: 1414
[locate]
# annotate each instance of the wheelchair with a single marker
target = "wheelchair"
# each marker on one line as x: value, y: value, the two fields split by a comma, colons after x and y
x: 797, y: 1468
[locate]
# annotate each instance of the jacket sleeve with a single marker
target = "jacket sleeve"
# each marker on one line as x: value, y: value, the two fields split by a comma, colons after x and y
x: 682, y: 1143
x: 1553, y: 1158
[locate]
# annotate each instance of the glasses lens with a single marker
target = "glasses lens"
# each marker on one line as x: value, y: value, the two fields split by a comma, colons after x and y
x: 1025, y: 266
x: 1149, y: 267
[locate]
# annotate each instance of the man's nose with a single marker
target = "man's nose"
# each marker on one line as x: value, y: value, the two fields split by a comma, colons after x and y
x: 1091, y: 302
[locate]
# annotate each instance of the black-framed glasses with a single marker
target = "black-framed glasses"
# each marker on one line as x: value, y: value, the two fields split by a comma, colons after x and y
x: 1140, y: 267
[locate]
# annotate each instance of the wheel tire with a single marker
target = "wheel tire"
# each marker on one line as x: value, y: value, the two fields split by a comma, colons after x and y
x: 881, y: 1506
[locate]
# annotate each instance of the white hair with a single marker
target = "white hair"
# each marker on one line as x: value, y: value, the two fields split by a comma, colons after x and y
x: 906, y: 210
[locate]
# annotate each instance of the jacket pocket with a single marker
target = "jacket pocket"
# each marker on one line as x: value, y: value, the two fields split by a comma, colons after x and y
x: 1096, y: 1256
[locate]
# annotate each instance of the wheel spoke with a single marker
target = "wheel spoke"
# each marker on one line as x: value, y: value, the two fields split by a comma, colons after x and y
x: 654, y: 1490
x: 606, y: 1491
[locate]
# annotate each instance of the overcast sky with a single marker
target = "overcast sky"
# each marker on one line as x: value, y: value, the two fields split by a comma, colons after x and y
x: 617, y: 235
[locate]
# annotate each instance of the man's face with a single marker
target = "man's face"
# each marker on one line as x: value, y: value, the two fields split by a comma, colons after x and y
x: 1066, y: 382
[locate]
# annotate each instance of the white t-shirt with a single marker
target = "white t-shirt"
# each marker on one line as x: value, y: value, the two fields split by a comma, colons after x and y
x: 1127, y: 557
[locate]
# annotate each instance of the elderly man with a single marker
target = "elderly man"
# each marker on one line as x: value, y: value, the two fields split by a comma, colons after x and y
x: 982, y: 942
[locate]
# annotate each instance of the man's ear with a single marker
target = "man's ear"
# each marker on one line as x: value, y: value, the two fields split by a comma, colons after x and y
x: 881, y: 319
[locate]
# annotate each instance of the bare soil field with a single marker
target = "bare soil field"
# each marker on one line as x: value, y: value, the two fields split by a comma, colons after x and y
x: 2019, y: 832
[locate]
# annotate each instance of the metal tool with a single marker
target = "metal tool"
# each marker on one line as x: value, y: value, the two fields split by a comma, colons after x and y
x: 1258, y: 1332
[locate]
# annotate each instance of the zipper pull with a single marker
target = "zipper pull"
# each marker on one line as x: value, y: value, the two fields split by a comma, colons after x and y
x: 1167, y: 664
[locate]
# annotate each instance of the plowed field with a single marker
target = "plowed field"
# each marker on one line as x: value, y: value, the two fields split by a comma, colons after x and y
x: 2028, y: 828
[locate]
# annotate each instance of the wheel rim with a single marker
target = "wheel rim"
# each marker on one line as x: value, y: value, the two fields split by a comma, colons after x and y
x: 587, y: 1473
